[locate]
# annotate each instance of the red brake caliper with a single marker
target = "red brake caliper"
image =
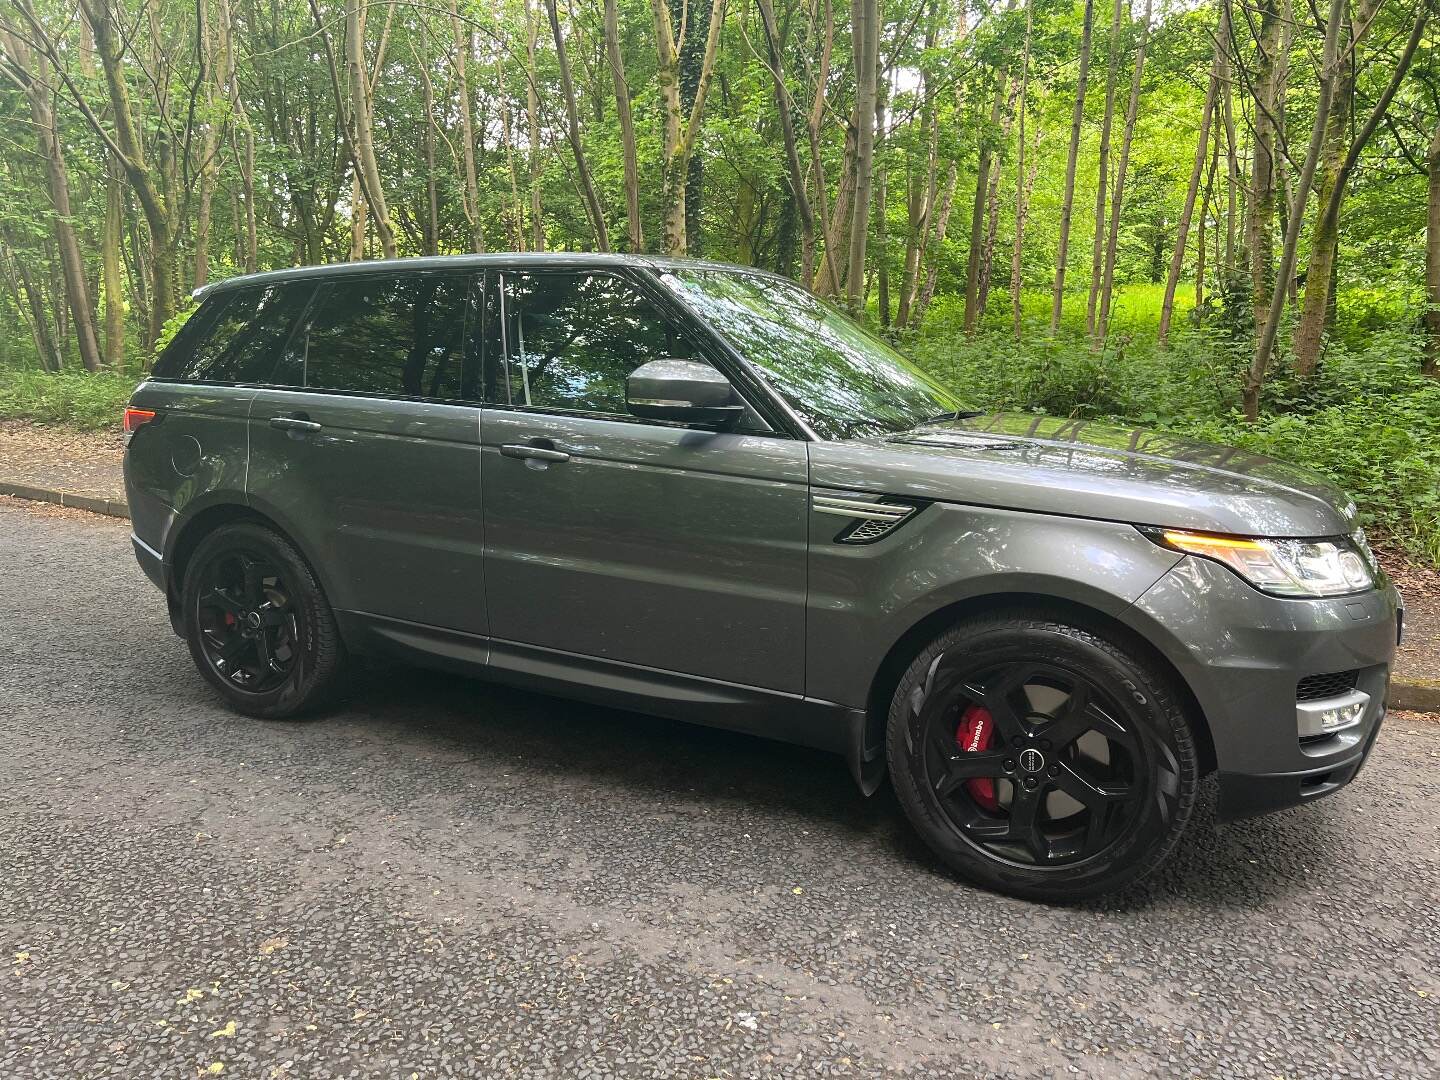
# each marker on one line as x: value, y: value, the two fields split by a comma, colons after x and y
x: 975, y: 733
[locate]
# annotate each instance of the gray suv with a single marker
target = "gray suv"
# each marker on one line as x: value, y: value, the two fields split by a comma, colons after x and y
x: 698, y: 491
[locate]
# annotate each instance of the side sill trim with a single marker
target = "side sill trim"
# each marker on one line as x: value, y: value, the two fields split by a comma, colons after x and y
x: 823, y: 725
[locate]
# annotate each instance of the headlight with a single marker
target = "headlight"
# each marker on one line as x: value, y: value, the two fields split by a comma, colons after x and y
x: 1284, y: 567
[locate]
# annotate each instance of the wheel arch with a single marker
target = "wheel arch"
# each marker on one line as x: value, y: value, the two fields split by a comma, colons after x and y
x: 200, y: 525
x: 892, y: 668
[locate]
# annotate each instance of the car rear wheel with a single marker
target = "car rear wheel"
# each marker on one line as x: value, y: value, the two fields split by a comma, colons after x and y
x: 258, y: 625
x: 1041, y: 759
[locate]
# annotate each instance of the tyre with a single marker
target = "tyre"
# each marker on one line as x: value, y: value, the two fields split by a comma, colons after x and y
x: 1040, y: 759
x: 258, y: 625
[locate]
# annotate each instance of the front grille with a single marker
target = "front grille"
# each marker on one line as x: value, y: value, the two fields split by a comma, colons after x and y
x: 1318, y: 687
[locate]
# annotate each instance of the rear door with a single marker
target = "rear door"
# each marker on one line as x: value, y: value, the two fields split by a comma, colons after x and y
x: 629, y: 540
x: 371, y: 454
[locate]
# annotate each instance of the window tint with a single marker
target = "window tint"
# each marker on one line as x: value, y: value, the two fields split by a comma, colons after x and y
x: 236, y: 340
x: 390, y: 335
x: 573, y: 338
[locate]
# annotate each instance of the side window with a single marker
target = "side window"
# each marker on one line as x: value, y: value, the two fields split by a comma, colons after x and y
x: 390, y: 335
x: 238, y: 341
x: 572, y: 339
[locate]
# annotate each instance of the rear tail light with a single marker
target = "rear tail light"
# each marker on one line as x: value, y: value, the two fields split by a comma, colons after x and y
x: 136, y: 419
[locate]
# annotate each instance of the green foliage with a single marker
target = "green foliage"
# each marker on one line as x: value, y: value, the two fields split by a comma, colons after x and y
x: 1369, y: 420
x: 75, y: 398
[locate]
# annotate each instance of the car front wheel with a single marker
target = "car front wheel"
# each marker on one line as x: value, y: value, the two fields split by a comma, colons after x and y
x: 258, y: 625
x: 1041, y: 759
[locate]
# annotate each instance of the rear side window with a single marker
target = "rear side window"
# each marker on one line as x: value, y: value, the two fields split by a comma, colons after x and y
x: 401, y: 335
x: 236, y: 335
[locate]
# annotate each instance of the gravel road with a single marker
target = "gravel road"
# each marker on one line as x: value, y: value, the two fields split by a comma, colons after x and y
x: 446, y: 879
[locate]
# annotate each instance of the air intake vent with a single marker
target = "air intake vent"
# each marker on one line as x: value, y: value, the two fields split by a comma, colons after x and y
x: 870, y: 520
x: 1319, y: 687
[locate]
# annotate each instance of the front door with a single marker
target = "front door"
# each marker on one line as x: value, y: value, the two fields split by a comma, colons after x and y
x: 373, y: 458
x: 608, y: 536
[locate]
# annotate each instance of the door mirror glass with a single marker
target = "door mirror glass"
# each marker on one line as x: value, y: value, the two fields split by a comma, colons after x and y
x: 683, y: 392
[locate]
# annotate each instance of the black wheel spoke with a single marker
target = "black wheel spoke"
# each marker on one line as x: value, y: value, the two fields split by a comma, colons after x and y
x: 272, y: 615
x: 1000, y: 700
x: 1089, y: 793
x: 1074, y: 719
x: 232, y: 648
x: 254, y: 581
x: 1025, y: 822
x: 268, y: 664
x: 219, y: 598
x: 969, y: 765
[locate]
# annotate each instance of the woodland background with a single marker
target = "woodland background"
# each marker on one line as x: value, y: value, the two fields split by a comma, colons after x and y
x: 1218, y: 217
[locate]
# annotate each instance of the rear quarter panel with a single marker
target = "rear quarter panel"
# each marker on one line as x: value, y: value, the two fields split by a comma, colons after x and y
x: 193, y: 456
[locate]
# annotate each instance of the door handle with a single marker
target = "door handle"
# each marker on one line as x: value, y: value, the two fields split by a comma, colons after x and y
x: 294, y: 423
x: 535, y: 453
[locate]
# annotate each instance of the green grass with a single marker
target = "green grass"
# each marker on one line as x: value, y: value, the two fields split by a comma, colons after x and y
x: 77, y: 399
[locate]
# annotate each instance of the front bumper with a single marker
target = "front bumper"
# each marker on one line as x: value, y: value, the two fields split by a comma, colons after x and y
x: 1243, y: 654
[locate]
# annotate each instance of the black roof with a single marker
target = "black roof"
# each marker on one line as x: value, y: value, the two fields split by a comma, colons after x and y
x: 496, y: 260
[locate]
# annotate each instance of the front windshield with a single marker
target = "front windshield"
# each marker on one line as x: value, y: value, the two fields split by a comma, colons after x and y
x: 838, y: 378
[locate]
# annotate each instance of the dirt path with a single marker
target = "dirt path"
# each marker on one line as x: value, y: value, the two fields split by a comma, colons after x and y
x: 82, y: 463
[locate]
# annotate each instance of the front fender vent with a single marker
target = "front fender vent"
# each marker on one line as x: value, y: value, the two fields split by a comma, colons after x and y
x: 870, y: 519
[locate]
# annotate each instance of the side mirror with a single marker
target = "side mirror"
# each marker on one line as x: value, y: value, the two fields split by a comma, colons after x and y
x: 683, y: 392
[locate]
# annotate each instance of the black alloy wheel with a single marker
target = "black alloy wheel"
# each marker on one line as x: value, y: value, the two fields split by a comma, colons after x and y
x: 1065, y: 774
x: 1041, y: 759
x: 259, y: 627
x: 249, y: 628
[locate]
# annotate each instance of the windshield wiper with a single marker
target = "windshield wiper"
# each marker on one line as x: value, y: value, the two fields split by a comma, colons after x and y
x: 958, y: 414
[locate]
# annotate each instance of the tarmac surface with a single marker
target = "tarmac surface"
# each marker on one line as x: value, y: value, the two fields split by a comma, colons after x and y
x: 447, y: 879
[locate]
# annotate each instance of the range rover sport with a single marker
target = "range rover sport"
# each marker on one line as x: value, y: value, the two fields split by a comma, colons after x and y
x: 698, y: 491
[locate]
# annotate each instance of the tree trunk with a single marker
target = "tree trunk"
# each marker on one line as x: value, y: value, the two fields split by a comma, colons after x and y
x: 793, y: 171
x: 532, y: 118
x: 678, y: 134
x: 464, y: 42
x: 1067, y: 208
x: 1112, y: 76
x: 1117, y: 197
x: 430, y: 230
x: 1341, y: 152
x: 1022, y: 190
x: 1232, y: 157
x: 920, y: 189
x: 1265, y: 339
x: 942, y: 222
x: 1261, y: 209
x: 363, y: 126
x: 977, y: 211
x: 111, y: 273
x: 992, y: 207
x: 572, y: 130
x: 1432, y: 257
x: 865, y: 33
x: 127, y: 145
x: 1197, y: 171
x: 635, y: 234
x: 817, y: 159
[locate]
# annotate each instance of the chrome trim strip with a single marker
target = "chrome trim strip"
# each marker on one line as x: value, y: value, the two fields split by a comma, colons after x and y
x: 668, y: 403
x: 856, y: 508
x: 1308, y: 714
x: 147, y: 547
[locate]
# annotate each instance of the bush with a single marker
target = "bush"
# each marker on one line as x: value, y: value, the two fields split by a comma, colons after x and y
x: 78, y: 398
